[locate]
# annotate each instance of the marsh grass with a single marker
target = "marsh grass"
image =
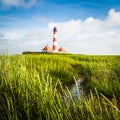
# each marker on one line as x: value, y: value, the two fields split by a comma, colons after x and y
x: 29, y: 87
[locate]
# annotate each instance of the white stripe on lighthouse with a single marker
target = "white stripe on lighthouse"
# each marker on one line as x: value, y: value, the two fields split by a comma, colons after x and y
x: 55, y: 43
x: 55, y: 36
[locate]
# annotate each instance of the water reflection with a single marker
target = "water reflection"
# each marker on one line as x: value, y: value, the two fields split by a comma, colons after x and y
x: 76, y: 89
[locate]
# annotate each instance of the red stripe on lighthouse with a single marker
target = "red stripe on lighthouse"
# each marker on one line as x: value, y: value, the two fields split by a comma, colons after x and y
x: 54, y: 39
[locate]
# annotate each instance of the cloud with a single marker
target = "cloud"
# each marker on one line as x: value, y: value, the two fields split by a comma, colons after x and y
x: 19, y: 41
x: 89, y: 36
x: 19, y: 3
x: 113, y: 18
x: 35, y: 21
x: 91, y: 25
x: 11, y: 2
x: 1, y: 35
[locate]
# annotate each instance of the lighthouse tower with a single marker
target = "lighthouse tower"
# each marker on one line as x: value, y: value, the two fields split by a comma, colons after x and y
x: 55, y: 46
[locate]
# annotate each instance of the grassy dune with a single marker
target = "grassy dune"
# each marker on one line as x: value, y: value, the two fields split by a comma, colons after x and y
x: 29, y: 87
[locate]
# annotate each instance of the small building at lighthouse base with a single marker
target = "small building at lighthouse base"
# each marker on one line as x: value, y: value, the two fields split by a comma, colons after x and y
x: 48, y: 49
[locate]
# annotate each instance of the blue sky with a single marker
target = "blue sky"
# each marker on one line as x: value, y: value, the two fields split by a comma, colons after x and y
x: 27, y: 25
x: 59, y: 10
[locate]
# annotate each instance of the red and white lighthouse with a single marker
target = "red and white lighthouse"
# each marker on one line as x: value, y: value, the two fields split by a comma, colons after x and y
x: 55, y: 45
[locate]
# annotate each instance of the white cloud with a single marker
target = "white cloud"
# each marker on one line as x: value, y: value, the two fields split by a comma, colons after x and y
x: 90, y: 36
x: 19, y: 3
x: 19, y: 41
x: 113, y: 18
x: 11, y: 2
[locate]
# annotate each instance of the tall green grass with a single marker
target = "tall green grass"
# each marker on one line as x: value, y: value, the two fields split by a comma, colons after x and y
x: 31, y: 87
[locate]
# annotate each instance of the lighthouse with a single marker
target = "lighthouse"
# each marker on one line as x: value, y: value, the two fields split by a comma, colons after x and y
x: 55, y: 46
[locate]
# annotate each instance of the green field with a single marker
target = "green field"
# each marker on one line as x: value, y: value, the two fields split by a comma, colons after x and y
x: 34, y: 87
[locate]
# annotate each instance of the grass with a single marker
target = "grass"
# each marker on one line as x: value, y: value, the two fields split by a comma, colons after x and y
x: 32, y: 87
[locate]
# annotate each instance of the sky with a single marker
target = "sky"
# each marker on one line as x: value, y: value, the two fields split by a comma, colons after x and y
x: 84, y: 26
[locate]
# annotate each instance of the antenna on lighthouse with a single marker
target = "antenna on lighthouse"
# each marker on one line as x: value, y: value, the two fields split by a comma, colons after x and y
x: 55, y: 45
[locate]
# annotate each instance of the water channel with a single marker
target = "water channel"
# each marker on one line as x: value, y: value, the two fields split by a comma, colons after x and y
x: 76, y: 89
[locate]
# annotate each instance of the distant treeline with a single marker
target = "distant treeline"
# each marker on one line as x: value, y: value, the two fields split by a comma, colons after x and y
x: 35, y: 52
x: 30, y: 52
